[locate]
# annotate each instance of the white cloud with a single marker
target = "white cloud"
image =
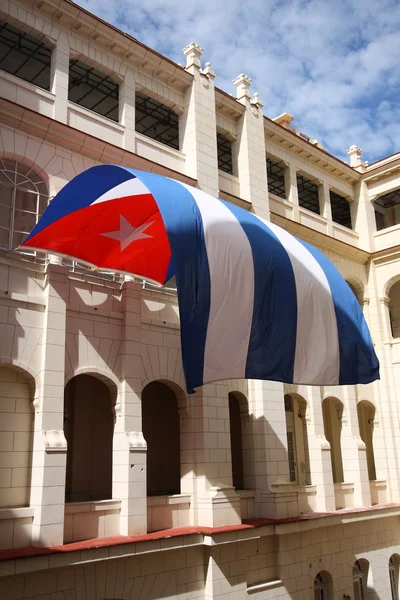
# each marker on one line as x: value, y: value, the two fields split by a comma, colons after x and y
x: 333, y: 65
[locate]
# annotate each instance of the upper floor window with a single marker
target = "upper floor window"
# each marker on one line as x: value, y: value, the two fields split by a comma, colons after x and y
x: 93, y: 89
x: 224, y: 150
x: 157, y: 121
x: 340, y: 208
x: 308, y: 194
x: 23, y: 198
x: 387, y: 210
x: 276, y: 178
x: 24, y: 55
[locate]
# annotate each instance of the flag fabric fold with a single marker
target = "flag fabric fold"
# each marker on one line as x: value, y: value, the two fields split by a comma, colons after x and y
x: 255, y: 302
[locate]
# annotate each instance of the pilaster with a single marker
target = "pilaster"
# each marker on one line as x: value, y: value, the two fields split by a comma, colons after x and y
x: 60, y: 77
x: 127, y: 109
x: 49, y: 444
x: 250, y: 149
x: 198, y: 123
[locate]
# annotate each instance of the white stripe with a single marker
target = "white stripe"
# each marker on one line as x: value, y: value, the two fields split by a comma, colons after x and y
x: 132, y: 187
x: 317, y: 358
x: 231, y: 268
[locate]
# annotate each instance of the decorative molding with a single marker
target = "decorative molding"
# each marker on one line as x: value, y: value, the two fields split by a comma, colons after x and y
x: 136, y: 441
x: 54, y: 440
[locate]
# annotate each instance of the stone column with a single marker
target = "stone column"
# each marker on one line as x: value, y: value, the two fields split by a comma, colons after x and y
x: 325, y: 204
x: 59, y: 77
x: 250, y: 149
x: 49, y: 444
x: 362, y: 210
x: 127, y: 109
x: 291, y: 186
x: 355, y: 469
x: 218, y: 504
x: 129, y: 446
x: 276, y: 496
x: 198, y: 129
x: 319, y: 451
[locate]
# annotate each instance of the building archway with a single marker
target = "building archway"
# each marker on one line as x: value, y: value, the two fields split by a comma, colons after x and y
x: 89, y: 429
x: 16, y: 436
x: 360, y: 577
x: 394, y: 309
x: 296, y: 433
x: 161, y: 430
x: 394, y: 562
x: 332, y: 411
x: 323, y: 586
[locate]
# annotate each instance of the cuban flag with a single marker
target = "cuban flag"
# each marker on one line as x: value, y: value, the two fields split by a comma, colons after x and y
x: 255, y: 302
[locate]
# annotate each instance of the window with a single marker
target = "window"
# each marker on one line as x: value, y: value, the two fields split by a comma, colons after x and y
x: 89, y: 429
x: 394, y: 576
x: 296, y: 433
x: 323, y: 586
x: 340, y: 208
x: 161, y: 430
x: 308, y: 194
x: 332, y: 410
x: 23, y: 199
x: 224, y: 149
x: 235, y: 423
x: 24, y: 55
x: 394, y: 309
x: 93, y: 89
x: 387, y: 210
x: 360, y: 572
x: 366, y: 416
x: 276, y: 178
x: 157, y: 121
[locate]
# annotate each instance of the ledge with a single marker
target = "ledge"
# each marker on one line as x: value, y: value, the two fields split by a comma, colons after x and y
x: 246, y: 493
x: 22, y: 512
x: 343, y: 486
x: 267, y: 585
x: 92, y: 506
x: 165, y: 500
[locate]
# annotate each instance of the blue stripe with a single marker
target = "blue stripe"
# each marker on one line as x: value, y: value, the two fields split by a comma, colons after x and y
x: 358, y: 361
x: 272, y: 342
x: 84, y: 189
x: 184, y: 226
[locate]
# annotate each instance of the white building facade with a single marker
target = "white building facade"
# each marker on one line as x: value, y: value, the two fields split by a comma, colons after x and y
x: 115, y: 484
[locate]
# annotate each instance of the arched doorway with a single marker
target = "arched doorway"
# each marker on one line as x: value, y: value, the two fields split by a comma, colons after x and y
x: 89, y: 428
x: 161, y: 430
x: 366, y: 417
x: 332, y: 411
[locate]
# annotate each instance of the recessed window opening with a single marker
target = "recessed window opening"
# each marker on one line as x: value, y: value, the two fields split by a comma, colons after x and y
x: 23, y: 199
x: 308, y: 194
x: 360, y: 574
x: 235, y: 422
x: 366, y: 417
x: 340, y: 208
x: 387, y: 210
x: 93, y: 89
x: 323, y: 586
x: 297, y: 441
x: 224, y: 150
x: 276, y: 178
x: 332, y: 412
x: 394, y: 309
x: 394, y: 576
x: 24, y: 55
x: 157, y: 121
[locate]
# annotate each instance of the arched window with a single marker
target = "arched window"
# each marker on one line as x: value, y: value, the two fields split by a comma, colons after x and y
x: 16, y: 436
x: 296, y: 433
x: 89, y: 428
x: 394, y: 576
x: 366, y: 416
x: 23, y: 198
x: 360, y: 575
x: 394, y: 309
x: 161, y: 430
x: 332, y: 411
x: 235, y: 422
x: 323, y: 586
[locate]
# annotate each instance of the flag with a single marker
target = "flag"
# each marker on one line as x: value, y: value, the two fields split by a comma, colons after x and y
x: 255, y: 302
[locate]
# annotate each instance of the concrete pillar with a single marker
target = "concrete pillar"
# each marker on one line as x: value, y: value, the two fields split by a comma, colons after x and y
x: 49, y: 444
x: 292, y: 192
x: 198, y: 129
x: 60, y: 77
x: 363, y: 217
x: 127, y: 109
x: 325, y: 204
x: 276, y: 496
x: 250, y: 149
x: 129, y: 446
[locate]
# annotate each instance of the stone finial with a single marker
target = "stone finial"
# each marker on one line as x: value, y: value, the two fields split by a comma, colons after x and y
x: 193, y: 53
x: 256, y: 100
x: 242, y: 84
x: 209, y: 71
x: 354, y: 153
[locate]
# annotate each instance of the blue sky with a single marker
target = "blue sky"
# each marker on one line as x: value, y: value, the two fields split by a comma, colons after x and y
x: 333, y: 64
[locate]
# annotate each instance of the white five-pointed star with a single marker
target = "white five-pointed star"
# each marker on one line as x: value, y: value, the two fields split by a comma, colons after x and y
x: 126, y: 234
